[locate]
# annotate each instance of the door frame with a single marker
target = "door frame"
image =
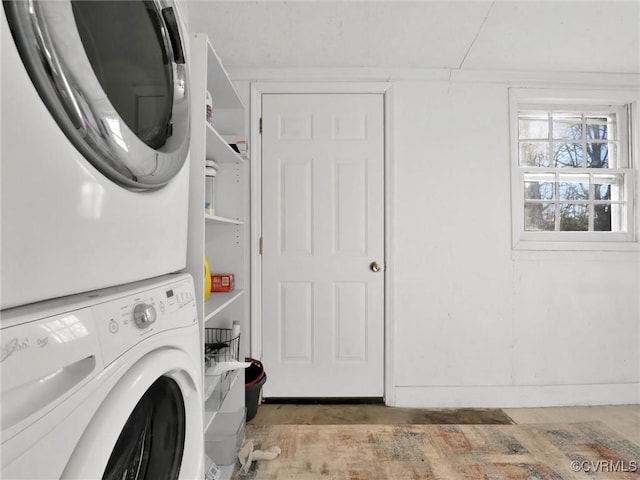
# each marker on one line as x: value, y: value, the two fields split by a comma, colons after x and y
x: 255, y: 113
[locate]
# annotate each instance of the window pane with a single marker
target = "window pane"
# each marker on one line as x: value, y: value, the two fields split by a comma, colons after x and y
x: 567, y: 126
x: 602, y: 217
x: 539, y: 187
x: 609, y: 218
x: 567, y: 155
x: 601, y: 127
x: 574, y: 218
x: 598, y: 154
x: 534, y: 154
x: 602, y: 192
x: 539, y: 217
x: 574, y: 187
x: 608, y: 187
x: 533, y: 127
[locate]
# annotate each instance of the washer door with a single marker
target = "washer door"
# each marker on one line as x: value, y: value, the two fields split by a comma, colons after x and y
x: 152, y: 441
x: 148, y: 423
x: 113, y: 75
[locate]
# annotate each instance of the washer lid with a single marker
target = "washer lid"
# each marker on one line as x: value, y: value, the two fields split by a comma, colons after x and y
x: 114, y: 77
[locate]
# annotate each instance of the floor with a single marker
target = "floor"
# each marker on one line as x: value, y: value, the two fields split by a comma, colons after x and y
x: 624, y: 419
x: 359, y: 414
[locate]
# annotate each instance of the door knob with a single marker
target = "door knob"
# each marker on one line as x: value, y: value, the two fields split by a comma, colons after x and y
x: 375, y: 267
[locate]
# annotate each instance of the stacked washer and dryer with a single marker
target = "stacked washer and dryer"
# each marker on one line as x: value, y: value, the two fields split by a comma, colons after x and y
x: 100, y: 360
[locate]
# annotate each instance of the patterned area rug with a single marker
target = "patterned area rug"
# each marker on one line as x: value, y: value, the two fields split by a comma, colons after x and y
x: 445, y: 452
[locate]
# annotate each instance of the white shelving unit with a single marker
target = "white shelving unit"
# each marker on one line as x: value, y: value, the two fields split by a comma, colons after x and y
x: 222, y: 237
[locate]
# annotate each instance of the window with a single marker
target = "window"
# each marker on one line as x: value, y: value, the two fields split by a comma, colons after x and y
x: 573, y: 174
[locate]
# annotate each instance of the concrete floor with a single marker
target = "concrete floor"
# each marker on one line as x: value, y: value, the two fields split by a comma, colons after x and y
x: 624, y: 419
x: 279, y: 414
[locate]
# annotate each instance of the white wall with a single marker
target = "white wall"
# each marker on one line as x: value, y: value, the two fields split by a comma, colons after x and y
x: 475, y: 323
x: 453, y: 275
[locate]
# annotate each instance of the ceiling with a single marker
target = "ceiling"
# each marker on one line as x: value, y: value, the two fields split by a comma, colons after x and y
x: 503, y: 35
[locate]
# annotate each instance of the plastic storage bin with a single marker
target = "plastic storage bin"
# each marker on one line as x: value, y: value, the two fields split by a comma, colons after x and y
x: 224, y: 438
x: 216, y: 389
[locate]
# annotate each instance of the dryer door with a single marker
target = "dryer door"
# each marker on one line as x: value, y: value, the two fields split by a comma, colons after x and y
x: 113, y: 74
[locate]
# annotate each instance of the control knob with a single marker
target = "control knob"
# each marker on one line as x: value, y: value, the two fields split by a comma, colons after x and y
x: 144, y: 315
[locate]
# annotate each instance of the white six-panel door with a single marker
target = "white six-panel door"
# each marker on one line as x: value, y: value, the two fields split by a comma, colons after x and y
x: 323, y: 227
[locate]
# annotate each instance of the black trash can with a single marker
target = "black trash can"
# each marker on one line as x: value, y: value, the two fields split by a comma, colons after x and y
x: 254, y: 378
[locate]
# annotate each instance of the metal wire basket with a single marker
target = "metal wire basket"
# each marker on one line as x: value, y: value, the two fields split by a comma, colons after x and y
x: 220, y: 345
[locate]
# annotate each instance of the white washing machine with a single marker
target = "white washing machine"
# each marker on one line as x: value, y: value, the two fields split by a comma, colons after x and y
x: 106, y: 384
x: 95, y: 138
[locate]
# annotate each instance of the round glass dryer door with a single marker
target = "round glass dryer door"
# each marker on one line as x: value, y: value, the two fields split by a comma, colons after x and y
x: 113, y: 75
x: 151, y: 443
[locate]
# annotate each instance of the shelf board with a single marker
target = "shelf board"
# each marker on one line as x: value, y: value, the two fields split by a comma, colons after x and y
x: 223, y: 91
x: 225, y: 220
x: 218, y: 301
x: 219, y: 150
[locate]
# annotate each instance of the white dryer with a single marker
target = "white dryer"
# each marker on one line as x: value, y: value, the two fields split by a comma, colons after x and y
x: 95, y: 137
x: 104, y: 385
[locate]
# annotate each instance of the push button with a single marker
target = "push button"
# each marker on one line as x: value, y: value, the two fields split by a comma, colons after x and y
x: 113, y: 326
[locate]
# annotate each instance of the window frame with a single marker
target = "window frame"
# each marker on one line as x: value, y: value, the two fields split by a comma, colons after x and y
x: 625, y: 103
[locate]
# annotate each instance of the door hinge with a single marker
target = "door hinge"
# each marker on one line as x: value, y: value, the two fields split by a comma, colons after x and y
x: 260, y: 246
x: 260, y: 126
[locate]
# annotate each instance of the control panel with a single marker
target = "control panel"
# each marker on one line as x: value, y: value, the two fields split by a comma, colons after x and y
x: 126, y: 321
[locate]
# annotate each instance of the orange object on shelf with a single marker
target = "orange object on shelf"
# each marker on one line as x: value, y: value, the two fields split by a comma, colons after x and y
x: 222, y: 282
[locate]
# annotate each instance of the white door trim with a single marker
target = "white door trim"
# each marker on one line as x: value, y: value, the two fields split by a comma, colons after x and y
x: 257, y: 90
